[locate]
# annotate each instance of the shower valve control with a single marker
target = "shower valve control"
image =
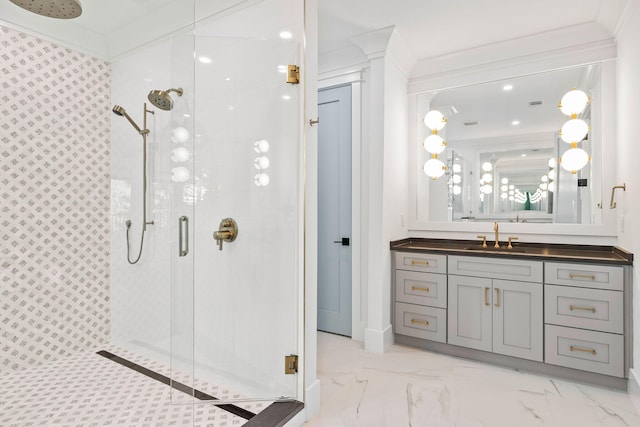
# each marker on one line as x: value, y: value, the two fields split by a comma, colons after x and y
x: 227, y: 232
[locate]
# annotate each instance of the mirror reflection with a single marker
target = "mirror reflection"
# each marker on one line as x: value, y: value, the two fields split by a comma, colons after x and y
x: 506, y: 151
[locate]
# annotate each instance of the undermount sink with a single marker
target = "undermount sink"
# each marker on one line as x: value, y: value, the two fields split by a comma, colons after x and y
x: 490, y: 249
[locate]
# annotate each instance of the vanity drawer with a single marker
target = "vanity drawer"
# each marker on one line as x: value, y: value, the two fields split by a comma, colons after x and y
x: 521, y: 270
x: 421, y: 322
x: 598, y: 352
x: 415, y: 261
x: 586, y: 275
x: 421, y: 288
x: 584, y: 308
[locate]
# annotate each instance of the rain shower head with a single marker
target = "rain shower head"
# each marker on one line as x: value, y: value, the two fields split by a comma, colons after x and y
x: 119, y: 111
x: 61, y: 9
x: 162, y: 99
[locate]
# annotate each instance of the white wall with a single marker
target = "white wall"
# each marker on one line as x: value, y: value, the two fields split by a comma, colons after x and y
x: 628, y: 172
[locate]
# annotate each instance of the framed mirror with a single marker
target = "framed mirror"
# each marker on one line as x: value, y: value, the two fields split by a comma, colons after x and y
x: 504, y: 151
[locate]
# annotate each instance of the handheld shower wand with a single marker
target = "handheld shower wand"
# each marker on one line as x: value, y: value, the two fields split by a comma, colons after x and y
x: 118, y: 110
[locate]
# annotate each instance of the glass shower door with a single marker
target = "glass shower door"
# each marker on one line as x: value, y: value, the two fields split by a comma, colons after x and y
x: 235, y: 302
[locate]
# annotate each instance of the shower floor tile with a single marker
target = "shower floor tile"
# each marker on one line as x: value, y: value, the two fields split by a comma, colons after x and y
x: 90, y: 390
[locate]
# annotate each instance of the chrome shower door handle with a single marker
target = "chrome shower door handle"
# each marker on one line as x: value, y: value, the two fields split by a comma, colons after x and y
x: 183, y: 236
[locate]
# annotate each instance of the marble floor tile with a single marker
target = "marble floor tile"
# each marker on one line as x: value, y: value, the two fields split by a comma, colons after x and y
x: 411, y: 387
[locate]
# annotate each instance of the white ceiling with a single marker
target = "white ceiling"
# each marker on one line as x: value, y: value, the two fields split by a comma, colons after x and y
x: 431, y: 28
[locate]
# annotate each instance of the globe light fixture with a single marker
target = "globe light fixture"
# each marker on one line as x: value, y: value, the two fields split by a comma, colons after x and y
x: 434, y: 144
x: 435, y: 120
x: 574, y: 159
x: 573, y: 103
x: 575, y: 130
x: 434, y: 168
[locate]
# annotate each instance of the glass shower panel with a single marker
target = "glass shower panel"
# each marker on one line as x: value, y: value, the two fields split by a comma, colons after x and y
x: 246, y: 151
x: 182, y: 175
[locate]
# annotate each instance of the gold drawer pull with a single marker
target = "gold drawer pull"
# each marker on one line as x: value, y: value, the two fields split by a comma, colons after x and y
x: 583, y: 276
x: 422, y: 322
x: 486, y: 297
x: 419, y: 288
x: 584, y: 350
x: 577, y: 307
x: 497, y: 303
x: 425, y: 263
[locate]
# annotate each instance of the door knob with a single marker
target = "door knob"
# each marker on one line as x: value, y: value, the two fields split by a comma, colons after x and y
x: 344, y: 241
x: 227, y: 231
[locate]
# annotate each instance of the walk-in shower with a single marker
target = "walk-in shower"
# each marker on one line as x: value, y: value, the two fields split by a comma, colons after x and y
x: 119, y: 111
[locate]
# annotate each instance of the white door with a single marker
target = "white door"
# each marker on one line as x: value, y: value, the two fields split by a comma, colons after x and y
x: 334, y: 210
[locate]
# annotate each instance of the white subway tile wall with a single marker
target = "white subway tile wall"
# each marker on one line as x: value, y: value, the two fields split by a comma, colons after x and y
x: 55, y: 199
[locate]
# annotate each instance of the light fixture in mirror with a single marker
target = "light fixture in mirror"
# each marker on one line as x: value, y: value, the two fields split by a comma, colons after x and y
x: 500, y: 165
x: 434, y: 144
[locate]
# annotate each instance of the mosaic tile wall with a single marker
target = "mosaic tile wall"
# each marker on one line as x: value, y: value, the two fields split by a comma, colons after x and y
x: 54, y: 201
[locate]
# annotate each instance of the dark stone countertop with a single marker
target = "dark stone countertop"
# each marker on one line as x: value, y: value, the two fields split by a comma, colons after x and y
x: 537, y: 251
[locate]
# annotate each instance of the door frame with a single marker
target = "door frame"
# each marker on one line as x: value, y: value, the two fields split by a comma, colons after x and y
x: 358, y: 292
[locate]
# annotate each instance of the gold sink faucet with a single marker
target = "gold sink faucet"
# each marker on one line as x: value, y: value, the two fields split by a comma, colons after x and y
x: 495, y: 228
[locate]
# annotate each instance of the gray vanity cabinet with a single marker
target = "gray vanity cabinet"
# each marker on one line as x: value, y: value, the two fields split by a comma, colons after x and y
x: 561, y: 310
x: 494, y: 314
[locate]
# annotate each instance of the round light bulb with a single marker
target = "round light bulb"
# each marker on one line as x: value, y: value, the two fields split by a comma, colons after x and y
x: 457, y: 179
x: 261, y: 146
x: 504, y: 180
x: 574, y: 130
x: 552, y: 175
x: 179, y: 155
x: 262, y: 162
x: 487, y: 177
x: 180, y: 174
x: 434, y: 144
x: 262, y: 180
x: 574, y: 159
x: 504, y: 188
x: 435, y: 120
x: 574, y: 102
x: 457, y: 190
x: 544, y: 178
x: 487, y: 167
x: 503, y: 196
x: 457, y: 168
x: 543, y: 186
x: 434, y: 168
x: 179, y: 135
x: 486, y: 189
x: 511, y: 187
x: 552, y: 162
x: 512, y: 198
x: 551, y: 187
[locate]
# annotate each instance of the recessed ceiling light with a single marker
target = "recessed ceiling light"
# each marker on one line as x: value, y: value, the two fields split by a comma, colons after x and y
x: 228, y: 79
x: 507, y: 88
x: 523, y: 155
x: 286, y: 97
x: 515, y: 122
x: 285, y: 35
x: 282, y: 68
x: 205, y: 60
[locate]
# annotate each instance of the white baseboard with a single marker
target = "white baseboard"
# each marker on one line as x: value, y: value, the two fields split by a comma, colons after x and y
x: 633, y: 388
x: 377, y: 341
x: 312, y: 400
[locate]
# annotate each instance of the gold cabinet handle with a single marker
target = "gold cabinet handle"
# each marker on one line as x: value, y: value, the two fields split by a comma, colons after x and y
x: 497, y: 304
x: 425, y: 263
x: 419, y: 321
x: 582, y: 276
x: 577, y: 307
x: 486, y: 297
x: 419, y: 288
x: 584, y: 350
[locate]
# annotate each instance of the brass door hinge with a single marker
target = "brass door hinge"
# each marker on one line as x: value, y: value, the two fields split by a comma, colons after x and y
x: 291, y: 364
x: 293, y: 74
